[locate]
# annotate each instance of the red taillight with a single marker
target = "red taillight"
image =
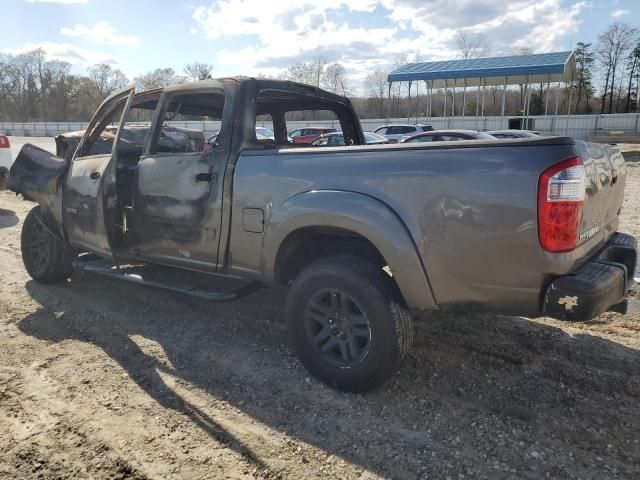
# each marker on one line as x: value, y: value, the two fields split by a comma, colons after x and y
x: 4, y: 141
x: 561, y: 192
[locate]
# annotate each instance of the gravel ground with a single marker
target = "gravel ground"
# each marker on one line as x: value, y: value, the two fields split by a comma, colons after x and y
x: 103, y: 380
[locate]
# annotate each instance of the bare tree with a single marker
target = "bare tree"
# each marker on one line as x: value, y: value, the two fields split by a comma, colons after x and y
x: 198, y: 71
x: 160, y: 77
x: 376, y: 86
x: 613, y: 46
x: 310, y: 73
x: 470, y: 45
x: 633, y: 65
x: 105, y: 80
x: 335, y: 78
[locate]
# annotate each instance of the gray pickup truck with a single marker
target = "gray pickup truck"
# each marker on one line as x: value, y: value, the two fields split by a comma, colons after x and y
x: 365, y: 237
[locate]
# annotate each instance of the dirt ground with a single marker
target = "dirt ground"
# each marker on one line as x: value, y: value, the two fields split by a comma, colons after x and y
x: 105, y: 380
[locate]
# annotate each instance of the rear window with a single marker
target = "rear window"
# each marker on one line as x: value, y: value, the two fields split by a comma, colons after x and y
x: 400, y: 130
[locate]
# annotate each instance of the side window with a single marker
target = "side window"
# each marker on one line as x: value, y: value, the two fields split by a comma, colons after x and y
x: 300, y: 116
x: 451, y: 138
x: 264, y: 129
x: 136, y: 128
x: 191, y: 123
x: 381, y: 131
x: 103, y: 133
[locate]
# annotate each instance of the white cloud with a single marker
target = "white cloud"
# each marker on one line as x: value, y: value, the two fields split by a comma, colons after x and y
x: 282, y: 33
x: 620, y: 12
x: 67, y: 53
x: 103, y: 33
x: 63, y: 2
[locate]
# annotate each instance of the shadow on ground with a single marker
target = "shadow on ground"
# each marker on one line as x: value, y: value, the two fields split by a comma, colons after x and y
x: 477, y: 391
x: 8, y: 218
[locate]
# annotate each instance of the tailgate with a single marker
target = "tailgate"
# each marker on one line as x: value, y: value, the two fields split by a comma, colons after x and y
x: 605, y: 179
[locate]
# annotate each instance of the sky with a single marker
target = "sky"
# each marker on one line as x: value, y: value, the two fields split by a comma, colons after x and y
x: 251, y: 37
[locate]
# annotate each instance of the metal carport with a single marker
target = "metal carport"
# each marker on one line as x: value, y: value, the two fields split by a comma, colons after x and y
x: 493, y: 71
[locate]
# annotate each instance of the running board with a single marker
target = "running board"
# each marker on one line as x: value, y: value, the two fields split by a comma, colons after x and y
x: 104, y: 267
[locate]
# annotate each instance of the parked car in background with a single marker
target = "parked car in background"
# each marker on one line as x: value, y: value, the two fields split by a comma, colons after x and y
x: 514, y: 134
x: 5, y: 161
x: 302, y: 136
x: 336, y: 139
x: 448, y: 136
x: 394, y: 133
x: 374, y: 139
x: 264, y: 133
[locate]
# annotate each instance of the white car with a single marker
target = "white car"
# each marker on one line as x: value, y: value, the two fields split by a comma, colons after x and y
x: 395, y: 133
x: 5, y: 161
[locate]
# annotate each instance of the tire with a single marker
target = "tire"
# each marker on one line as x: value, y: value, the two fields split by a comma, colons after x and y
x: 46, y: 258
x: 347, y: 323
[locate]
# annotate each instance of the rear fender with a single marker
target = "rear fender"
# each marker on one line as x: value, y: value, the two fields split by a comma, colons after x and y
x: 37, y: 175
x: 363, y: 215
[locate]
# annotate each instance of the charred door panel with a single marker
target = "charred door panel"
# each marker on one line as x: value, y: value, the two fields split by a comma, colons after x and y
x: 89, y: 194
x: 177, y: 208
x: 83, y: 212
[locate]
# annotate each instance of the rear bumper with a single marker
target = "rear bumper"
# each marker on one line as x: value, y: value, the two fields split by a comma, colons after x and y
x: 597, y: 286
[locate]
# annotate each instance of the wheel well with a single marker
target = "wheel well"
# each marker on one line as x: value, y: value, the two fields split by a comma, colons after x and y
x: 306, y: 245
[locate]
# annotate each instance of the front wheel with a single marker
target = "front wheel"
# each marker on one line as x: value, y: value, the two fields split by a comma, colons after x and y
x: 46, y: 258
x: 347, y: 323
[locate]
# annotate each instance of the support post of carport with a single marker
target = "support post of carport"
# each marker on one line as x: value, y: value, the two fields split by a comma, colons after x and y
x: 389, y: 103
x: 553, y: 124
x: 546, y: 100
x: 484, y: 87
x: 409, y: 102
x: 464, y: 97
x: 444, y: 110
x: 430, y: 88
x: 453, y: 98
x: 566, y: 128
x: 527, y: 105
x: 478, y: 103
x: 504, y: 98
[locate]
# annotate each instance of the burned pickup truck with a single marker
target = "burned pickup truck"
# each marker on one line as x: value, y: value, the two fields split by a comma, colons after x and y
x: 366, y: 237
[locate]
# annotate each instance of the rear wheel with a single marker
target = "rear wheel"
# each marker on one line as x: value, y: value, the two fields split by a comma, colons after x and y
x: 347, y: 323
x: 46, y: 258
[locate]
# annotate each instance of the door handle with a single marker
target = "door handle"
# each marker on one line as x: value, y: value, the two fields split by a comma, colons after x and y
x: 205, y: 177
x: 94, y: 176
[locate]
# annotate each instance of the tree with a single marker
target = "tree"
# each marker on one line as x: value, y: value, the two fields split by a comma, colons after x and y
x: 376, y: 86
x: 104, y: 81
x: 198, y: 71
x: 585, y: 59
x: 158, y: 78
x: 633, y: 66
x: 335, y: 78
x: 310, y: 73
x: 613, y: 45
x: 470, y: 45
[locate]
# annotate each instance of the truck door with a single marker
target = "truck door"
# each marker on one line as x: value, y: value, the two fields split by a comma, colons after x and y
x: 177, y: 198
x: 88, y: 199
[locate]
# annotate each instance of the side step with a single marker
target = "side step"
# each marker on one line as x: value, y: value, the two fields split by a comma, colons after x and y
x: 134, y: 274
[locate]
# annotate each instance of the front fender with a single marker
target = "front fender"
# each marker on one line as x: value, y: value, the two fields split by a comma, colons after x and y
x: 360, y: 214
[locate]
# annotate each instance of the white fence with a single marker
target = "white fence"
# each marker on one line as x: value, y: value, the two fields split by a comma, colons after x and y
x: 576, y: 126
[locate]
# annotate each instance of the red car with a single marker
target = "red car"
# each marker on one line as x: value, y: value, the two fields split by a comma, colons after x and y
x: 304, y: 136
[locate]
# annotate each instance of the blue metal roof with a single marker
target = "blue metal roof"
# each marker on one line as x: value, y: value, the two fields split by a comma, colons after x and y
x: 513, y: 66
